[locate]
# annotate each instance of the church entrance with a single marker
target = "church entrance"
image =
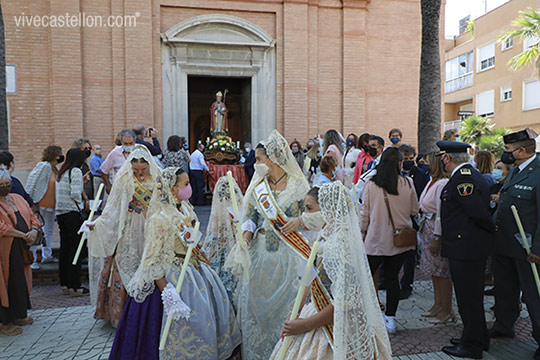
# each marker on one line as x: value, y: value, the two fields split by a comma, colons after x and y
x: 202, y: 93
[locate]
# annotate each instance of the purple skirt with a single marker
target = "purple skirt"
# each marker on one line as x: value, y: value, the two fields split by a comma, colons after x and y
x: 138, y: 333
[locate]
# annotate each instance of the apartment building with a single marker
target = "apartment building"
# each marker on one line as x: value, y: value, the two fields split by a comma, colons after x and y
x: 477, y: 79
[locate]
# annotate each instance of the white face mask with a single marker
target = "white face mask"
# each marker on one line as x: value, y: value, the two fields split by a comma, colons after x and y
x: 313, y: 221
x: 261, y: 169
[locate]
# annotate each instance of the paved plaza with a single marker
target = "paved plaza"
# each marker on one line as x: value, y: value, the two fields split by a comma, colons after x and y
x: 64, y: 328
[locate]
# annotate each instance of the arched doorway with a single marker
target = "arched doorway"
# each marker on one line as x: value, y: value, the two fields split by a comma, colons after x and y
x: 214, y: 52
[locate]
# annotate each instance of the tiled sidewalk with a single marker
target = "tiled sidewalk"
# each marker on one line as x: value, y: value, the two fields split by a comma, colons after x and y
x: 65, y: 328
x: 72, y: 333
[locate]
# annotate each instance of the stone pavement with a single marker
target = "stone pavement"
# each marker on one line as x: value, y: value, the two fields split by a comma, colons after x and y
x: 66, y: 330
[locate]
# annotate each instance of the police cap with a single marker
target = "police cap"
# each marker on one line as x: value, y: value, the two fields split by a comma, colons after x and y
x: 452, y: 147
x: 526, y: 134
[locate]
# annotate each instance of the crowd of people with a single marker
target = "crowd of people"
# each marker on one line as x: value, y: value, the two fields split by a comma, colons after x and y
x: 379, y: 211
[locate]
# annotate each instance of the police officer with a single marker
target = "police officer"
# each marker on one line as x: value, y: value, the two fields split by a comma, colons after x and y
x: 511, y: 265
x: 466, y: 235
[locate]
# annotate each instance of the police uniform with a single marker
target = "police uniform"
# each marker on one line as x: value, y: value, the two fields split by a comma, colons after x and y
x: 466, y: 242
x: 512, y: 271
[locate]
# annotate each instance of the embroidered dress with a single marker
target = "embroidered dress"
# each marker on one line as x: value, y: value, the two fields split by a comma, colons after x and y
x: 266, y: 299
x: 116, y: 244
x: 211, y: 332
x: 221, y: 233
x: 358, y: 328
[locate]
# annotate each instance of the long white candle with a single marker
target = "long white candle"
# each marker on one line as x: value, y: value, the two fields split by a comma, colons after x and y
x: 90, y: 217
x: 185, y: 265
x: 527, y: 246
x: 299, y: 296
x: 239, y: 235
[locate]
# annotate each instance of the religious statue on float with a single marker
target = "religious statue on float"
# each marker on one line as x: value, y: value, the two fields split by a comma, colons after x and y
x: 218, y: 115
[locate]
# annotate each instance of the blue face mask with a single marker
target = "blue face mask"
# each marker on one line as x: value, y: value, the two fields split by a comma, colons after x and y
x: 128, y: 148
x: 395, y: 140
x: 350, y: 142
x: 186, y: 147
x: 334, y: 173
x: 498, y: 175
x: 457, y: 138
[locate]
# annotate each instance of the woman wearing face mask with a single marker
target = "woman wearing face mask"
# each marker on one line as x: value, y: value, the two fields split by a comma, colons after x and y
x: 41, y: 186
x: 351, y: 152
x: 278, y: 186
x: 484, y: 164
x: 69, y: 203
x: 210, y: 332
x: 364, y: 158
x: 375, y: 223
x: 18, y: 229
x: 116, y: 239
x: 312, y: 161
x: 347, y: 308
x: 328, y: 170
x: 298, y: 153
x: 431, y: 261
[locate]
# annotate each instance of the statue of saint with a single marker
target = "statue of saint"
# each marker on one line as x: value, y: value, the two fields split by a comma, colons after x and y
x: 218, y: 116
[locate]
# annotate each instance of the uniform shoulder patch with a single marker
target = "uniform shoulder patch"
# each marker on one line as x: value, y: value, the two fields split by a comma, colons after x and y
x: 465, y: 189
x: 465, y: 171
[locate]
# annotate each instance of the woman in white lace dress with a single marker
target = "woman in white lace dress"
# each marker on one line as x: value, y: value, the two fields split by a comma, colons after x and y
x: 220, y: 233
x: 207, y: 330
x: 353, y: 315
x: 265, y: 300
x: 116, y: 242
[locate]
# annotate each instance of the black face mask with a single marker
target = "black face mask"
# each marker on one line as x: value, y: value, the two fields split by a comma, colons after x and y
x: 408, y: 165
x: 60, y: 159
x: 372, y: 152
x: 366, y: 148
x: 508, y: 158
x: 5, y: 189
x: 87, y: 153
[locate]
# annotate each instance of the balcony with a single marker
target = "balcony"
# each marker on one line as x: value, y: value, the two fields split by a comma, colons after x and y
x: 461, y: 82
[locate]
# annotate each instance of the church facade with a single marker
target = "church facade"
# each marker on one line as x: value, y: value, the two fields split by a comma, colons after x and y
x: 93, y: 67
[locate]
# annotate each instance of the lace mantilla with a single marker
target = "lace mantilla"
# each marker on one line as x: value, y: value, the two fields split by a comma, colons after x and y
x: 359, y: 331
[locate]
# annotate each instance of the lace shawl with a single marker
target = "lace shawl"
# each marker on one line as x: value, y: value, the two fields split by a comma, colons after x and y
x: 161, y: 231
x: 110, y: 227
x: 220, y: 233
x: 359, y: 330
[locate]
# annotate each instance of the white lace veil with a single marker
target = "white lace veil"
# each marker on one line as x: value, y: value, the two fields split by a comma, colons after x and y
x: 160, y: 233
x: 359, y: 330
x: 278, y: 150
x: 220, y: 231
x: 109, y: 227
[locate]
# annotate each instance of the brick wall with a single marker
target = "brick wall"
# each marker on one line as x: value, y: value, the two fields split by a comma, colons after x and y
x: 352, y: 65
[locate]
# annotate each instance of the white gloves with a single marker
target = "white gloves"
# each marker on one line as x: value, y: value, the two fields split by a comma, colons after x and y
x: 84, y: 227
x: 173, y: 305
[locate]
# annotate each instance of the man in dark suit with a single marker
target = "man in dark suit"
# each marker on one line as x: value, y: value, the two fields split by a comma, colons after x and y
x: 250, y: 160
x: 511, y: 264
x: 466, y: 236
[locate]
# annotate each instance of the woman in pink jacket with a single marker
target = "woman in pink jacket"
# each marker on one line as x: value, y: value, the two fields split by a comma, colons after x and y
x: 377, y: 228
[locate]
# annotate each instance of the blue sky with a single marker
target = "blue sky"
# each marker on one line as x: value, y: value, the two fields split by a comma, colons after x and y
x: 458, y: 9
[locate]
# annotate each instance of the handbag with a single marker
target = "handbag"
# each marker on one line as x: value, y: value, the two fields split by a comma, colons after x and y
x: 402, y: 237
x: 40, y: 238
x: 82, y: 213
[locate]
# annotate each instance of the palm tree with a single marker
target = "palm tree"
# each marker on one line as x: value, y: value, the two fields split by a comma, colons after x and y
x: 474, y: 128
x: 429, y: 104
x: 528, y: 26
x: 494, y: 142
x: 4, y: 143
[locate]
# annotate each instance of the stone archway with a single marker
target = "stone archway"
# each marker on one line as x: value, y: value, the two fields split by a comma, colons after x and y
x: 222, y: 46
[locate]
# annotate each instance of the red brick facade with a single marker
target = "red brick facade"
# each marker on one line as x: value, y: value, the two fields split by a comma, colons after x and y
x: 352, y: 65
